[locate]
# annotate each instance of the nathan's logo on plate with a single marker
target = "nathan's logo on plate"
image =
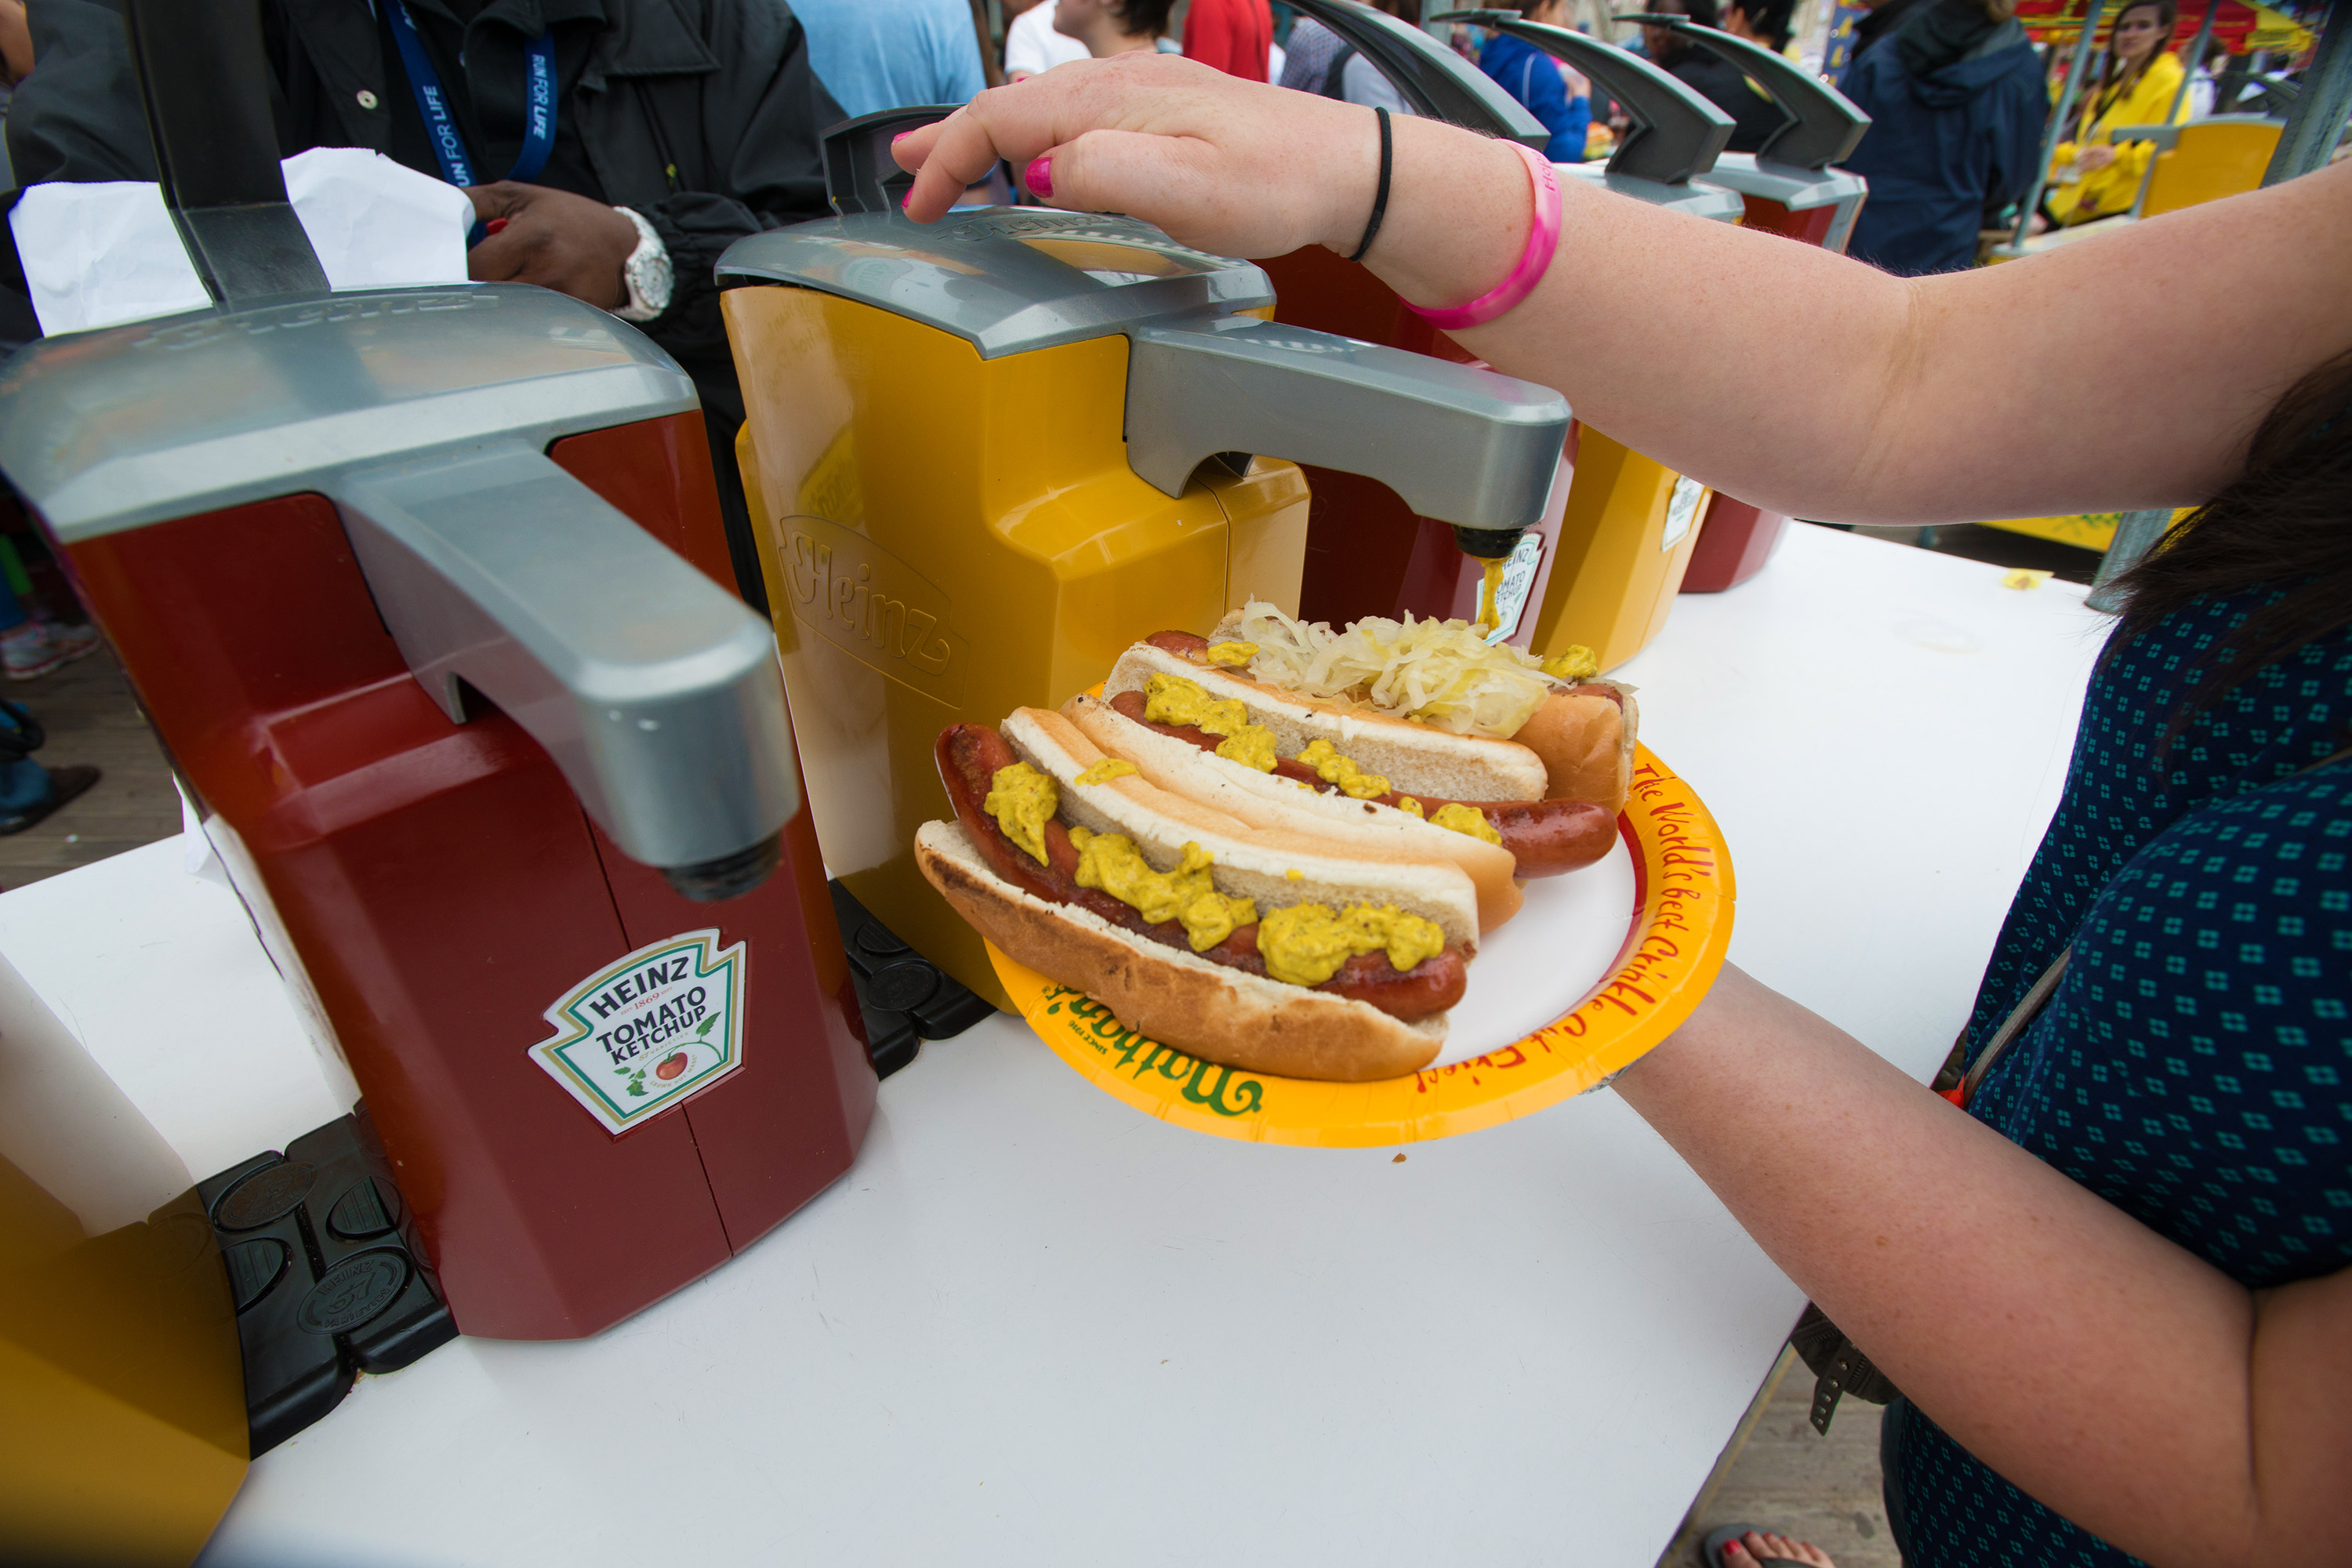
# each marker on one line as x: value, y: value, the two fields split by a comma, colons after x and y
x: 1216, y: 1087
x: 872, y: 605
x: 642, y: 1033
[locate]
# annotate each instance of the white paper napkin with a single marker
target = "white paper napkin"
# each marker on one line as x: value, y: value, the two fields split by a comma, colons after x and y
x: 99, y: 254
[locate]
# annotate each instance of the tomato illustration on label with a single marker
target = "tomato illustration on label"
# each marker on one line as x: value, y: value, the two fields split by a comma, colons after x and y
x: 671, y: 1067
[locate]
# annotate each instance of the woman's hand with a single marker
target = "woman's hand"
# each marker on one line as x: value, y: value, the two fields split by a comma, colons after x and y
x: 2092, y: 159
x: 1228, y: 166
x: 1239, y: 168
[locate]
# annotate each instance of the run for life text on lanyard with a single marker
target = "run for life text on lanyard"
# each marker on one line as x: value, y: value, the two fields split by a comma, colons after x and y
x: 441, y: 125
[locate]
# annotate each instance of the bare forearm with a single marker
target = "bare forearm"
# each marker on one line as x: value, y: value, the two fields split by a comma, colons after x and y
x: 1821, y: 386
x: 2125, y: 371
x: 1656, y: 327
x: 2094, y: 1364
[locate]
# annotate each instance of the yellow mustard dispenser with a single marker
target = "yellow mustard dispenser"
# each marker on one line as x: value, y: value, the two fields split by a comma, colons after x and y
x: 125, y: 1435
x: 1624, y: 543
x: 982, y: 456
x: 1626, y: 535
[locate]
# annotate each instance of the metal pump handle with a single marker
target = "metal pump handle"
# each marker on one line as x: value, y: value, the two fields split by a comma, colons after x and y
x: 1438, y: 83
x: 1823, y: 125
x: 1676, y: 134
x: 1463, y: 446
x: 860, y: 175
x: 205, y: 82
x: 654, y: 690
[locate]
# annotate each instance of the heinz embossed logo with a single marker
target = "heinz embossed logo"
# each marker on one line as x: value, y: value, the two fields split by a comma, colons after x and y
x: 872, y: 605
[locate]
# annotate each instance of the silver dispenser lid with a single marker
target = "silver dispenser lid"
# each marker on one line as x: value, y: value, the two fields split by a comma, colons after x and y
x: 424, y: 415
x: 1008, y: 280
x: 127, y: 426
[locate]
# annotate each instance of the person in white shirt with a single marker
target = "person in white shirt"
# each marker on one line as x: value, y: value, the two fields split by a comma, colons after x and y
x: 1030, y: 44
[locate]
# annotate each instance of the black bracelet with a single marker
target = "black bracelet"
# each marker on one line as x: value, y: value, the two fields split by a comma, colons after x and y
x: 1380, y: 195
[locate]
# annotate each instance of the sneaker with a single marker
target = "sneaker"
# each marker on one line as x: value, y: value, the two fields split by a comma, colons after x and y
x: 37, y: 647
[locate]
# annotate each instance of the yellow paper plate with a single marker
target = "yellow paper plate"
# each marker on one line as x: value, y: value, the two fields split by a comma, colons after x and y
x: 1679, y: 928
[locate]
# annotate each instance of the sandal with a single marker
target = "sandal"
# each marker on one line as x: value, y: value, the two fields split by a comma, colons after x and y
x: 65, y: 784
x: 1710, y: 1551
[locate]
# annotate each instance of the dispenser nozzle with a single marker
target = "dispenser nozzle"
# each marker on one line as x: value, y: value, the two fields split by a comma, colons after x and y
x: 730, y: 875
x: 1486, y: 543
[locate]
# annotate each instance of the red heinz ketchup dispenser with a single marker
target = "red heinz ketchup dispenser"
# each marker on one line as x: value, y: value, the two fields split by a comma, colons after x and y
x: 1788, y: 188
x: 425, y: 591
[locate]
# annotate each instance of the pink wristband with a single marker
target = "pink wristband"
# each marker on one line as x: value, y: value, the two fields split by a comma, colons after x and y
x: 1542, y: 241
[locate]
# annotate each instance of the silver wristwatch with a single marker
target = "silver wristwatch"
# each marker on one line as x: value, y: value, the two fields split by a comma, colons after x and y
x: 646, y: 272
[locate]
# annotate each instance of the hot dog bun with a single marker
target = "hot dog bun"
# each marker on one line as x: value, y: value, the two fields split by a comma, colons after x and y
x: 1416, y: 758
x: 1267, y: 801
x: 1277, y: 866
x: 1203, y: 1008
x: 1586, y: 740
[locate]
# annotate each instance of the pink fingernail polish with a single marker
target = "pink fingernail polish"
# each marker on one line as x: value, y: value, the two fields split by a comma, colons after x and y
x: 899, y: 136
x: 1039, y: 177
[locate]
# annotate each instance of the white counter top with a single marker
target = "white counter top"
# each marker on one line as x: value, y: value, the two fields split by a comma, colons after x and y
x: 1034, y: 1326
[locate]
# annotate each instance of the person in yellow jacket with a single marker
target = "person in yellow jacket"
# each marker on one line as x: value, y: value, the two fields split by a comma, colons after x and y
x: 2137, y: 83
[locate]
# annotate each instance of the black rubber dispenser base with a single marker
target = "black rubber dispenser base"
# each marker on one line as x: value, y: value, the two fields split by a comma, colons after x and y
x: 905, y: 999
x: 327, y: 1285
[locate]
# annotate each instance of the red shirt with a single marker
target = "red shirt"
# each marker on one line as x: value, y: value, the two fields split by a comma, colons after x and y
x: 1235, y: 36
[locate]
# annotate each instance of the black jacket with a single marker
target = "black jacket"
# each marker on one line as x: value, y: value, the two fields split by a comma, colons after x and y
x: 1754, y: 116
x: 704, y: 115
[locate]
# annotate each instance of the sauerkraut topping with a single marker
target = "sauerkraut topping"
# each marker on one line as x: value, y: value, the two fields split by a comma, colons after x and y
x: 1442, y: 673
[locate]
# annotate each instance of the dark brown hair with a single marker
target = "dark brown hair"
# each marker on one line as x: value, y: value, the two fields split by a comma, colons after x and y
x: 2286, y: 522
x: 1768, y: 19
x: 2111, y: 86
x: 1136, y: 18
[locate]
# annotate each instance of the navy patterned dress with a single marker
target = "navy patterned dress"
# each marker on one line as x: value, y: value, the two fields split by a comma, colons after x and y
x: 2194, y: 1067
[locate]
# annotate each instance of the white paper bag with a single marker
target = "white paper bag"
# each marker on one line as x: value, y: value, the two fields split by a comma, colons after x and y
x: 99, y: 254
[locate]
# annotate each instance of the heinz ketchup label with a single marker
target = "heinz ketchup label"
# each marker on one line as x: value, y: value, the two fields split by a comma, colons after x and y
x: 645, y: 1031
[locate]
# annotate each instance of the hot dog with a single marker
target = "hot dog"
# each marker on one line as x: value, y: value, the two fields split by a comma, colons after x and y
x: 1197, y: 725
x: 1270, y: 951
x: 1544, y: 838
x: 1582, y: 729
x: 969, y: 757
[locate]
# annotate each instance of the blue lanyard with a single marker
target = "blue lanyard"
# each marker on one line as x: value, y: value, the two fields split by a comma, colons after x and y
x: 441, y: 125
